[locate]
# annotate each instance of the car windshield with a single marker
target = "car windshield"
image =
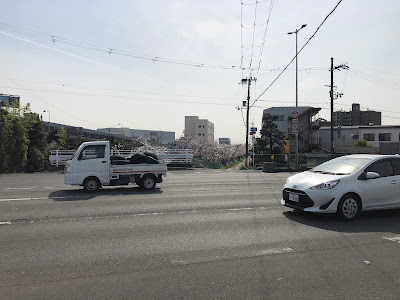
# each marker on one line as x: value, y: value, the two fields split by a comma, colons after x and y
x: 341, y: 166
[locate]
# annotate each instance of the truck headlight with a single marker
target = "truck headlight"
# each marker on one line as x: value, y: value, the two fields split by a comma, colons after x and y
x: 325, y: 186
x: 67, y: 169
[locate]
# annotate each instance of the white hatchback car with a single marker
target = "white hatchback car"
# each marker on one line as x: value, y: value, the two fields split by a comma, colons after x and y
x: 346, y: 185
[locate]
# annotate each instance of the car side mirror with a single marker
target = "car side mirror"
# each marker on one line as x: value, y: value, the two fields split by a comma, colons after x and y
x: 372, y: 175
x: 80, y: 157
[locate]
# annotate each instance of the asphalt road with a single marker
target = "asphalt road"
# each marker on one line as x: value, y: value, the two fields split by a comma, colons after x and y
x: 201, y: 234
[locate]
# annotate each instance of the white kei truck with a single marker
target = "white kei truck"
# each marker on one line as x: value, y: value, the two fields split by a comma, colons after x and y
x: 91, y: 167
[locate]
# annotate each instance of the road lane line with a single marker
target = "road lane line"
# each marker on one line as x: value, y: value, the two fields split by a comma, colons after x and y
x: 15, y: 199
x: 42, y: 198
x: 21, y: 188
x: 393, y: 239
x: 249, y: 254
x: 5, y: 223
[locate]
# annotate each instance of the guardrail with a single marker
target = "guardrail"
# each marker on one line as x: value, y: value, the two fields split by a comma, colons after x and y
x: 173, y: 156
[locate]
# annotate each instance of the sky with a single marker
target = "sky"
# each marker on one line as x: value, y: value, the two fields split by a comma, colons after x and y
x: 148, y: 64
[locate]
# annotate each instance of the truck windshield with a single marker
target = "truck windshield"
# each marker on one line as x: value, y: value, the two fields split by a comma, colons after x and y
x: 72, y: 157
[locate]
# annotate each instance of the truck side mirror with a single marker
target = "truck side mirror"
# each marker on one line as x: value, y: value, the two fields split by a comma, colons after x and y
x: 80, y: 157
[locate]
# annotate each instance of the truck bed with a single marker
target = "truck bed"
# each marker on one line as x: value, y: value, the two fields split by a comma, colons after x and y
x: 133, y: 169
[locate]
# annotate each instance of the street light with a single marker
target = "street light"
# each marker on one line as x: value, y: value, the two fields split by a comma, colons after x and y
x: 297, y: 132
x: 49, y: 119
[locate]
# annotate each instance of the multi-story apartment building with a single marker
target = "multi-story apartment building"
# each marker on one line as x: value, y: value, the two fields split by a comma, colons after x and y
x: 356, y: 117
x: 201, y: 129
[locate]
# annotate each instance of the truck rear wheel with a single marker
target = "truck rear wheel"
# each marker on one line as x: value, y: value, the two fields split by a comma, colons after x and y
x: 91, y: 184
x: 148, y: 182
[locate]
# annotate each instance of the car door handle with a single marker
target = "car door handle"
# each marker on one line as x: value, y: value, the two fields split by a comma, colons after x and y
x: 104, y: 161
x: 394, y: 181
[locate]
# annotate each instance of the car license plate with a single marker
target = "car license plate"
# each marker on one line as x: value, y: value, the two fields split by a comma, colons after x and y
x: 294, y: 197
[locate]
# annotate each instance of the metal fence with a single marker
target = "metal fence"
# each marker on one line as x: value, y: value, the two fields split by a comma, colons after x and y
x: 281, y: 160
x: 171, y: 156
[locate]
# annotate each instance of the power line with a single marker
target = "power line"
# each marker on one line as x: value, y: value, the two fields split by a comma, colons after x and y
x: 117, y: 90
x: 117, y: 96
x: 373, y: 81
x: 110, y: 50
x: 265, y: 35
x: 66, y: 85
x: 298, y: 52
x: 368, y: 68
x: 114, y: 51
x: 373, y: 78
x: 254, y: 31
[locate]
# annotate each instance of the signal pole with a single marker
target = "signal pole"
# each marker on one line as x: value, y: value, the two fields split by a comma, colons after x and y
x: 248, y: 81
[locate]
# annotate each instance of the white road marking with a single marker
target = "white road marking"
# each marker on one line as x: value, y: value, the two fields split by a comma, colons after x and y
x: 48, y: 187
x: 27, y: 188
x: 393, y: 239
x: 249, y: 254
x: 40, y: 198
x: 15, y: 199
x: 5, y: 223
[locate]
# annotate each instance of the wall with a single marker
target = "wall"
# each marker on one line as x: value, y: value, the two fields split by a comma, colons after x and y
x: 393, y: 130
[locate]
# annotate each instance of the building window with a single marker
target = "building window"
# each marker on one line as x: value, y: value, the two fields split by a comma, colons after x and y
x: 199, y: 126
x: 280, y: 118
x: 356, y: 136
x: 384, y: 137
x: 199, y: 133
x: 369, y: 136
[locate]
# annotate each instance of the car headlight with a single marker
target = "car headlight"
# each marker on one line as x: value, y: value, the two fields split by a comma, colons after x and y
x: 67, y: 169
x: 325, y: 186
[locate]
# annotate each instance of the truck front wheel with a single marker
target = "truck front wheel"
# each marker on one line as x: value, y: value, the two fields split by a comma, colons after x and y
x: 148, y: 182
x: 91, y: 184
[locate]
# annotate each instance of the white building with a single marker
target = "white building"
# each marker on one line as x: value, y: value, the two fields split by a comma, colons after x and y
x: 226, y: 141
x: 161, y: 137
x: 201, y: 129
x: 345, y: 136
x: 377, y: 134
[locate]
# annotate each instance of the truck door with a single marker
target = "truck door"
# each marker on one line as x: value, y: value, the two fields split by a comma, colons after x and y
x: 92, y: 161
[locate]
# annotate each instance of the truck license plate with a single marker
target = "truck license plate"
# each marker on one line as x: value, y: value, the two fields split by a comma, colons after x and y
x: 294, y: 197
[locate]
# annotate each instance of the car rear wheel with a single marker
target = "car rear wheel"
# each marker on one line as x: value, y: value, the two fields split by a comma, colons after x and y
x: 349, y: 207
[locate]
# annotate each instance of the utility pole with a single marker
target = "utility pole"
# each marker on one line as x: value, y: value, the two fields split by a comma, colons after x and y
x: 297, y: 105
x: 331, y: 94
x: 248, y: 81
x: 332, y: 98
x: 49, y: 119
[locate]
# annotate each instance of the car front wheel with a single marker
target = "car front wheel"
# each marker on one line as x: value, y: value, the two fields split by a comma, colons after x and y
x: 349, y: 207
